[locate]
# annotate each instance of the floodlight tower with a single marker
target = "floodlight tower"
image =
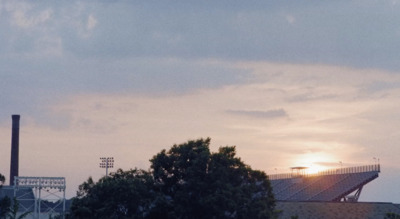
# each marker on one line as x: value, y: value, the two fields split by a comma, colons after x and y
x: 107, y: 162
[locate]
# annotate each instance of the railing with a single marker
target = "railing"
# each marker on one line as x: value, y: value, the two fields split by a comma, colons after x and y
x: 360, y: 169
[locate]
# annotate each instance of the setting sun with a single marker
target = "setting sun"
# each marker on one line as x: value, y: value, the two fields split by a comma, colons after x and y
x: 315, y: 168
x: 314, y: 163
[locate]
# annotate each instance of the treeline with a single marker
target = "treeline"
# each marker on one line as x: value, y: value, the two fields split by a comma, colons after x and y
x: 187, y: 181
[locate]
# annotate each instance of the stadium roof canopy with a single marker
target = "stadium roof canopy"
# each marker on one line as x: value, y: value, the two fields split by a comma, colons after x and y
x: 344, y: 184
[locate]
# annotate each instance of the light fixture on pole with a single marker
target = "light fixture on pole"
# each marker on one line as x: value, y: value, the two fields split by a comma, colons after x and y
x: 107, y: 162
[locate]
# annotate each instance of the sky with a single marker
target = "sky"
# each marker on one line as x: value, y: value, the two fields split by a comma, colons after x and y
x: 289, y: 83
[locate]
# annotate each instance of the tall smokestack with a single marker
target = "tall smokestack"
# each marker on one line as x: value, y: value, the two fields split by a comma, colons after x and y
x: 14, y: 148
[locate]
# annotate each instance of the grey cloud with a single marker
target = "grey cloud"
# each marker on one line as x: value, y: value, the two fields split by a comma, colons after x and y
x: 379, y: 86
x: 278, y: 113
x: 28, y: 85
x: 359, y: 34
x: 310, y: 97
x: 124, y: 51
x: 325, y: 33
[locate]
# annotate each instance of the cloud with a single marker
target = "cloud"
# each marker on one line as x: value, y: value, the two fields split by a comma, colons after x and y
x: 278, y: 113
x: 380, y: 87
x: 290, y: 19
x: 86, y: 28
x: 24, y: 17
x: 238, y: 31
x: 27, y: 87
x: 91, y: 23
x: 49, y: 46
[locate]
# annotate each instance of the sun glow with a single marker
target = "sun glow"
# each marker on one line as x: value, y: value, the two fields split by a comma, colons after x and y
x: 315, y: 163
x: 315, y: 168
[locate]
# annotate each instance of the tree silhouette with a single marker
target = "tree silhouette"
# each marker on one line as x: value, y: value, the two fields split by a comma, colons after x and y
x: 187, y: 181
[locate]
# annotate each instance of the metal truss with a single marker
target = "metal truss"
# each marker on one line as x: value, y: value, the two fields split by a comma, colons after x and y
x: 49, y: 195
x: 353, y: 198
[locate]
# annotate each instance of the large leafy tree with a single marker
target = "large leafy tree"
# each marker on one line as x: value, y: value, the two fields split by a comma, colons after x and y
x: 124, y: 194
x: 200, y: 184
x: 187, y: 181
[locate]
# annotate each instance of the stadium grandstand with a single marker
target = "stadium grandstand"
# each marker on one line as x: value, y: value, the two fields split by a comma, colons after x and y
x: 335, y: 185
x: 331, y: 194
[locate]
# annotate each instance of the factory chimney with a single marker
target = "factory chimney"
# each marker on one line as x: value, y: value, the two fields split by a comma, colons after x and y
x: 14, y: 148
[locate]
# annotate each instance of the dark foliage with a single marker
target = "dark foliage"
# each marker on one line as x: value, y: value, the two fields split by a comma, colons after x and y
x: 2, y: 180
x: 391, y: 215
x: 124, y: 194
x: 5, y: 205
x: 187, y: 181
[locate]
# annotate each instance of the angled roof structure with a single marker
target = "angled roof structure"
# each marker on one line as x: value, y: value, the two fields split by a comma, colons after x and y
x: 344, y: 184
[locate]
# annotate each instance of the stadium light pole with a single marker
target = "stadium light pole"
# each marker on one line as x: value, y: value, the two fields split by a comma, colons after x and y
x: 107, y: 162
